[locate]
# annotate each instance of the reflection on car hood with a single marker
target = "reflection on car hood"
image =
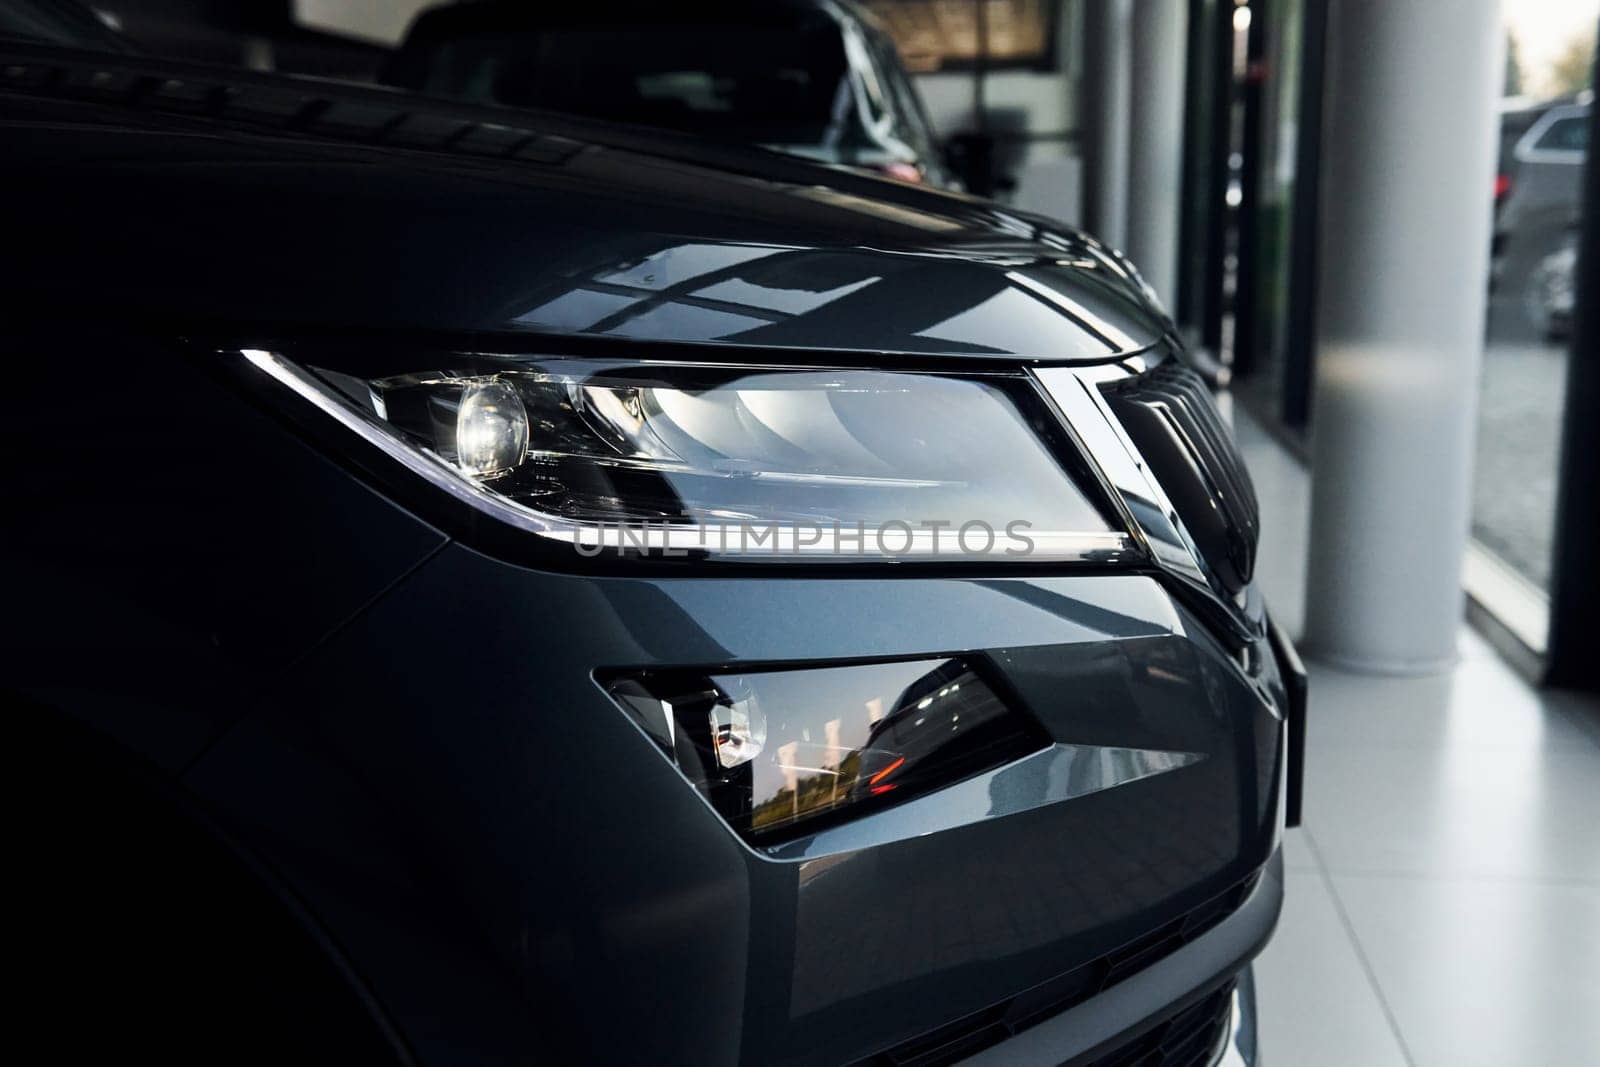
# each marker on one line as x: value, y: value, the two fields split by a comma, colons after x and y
x: 143, y: 212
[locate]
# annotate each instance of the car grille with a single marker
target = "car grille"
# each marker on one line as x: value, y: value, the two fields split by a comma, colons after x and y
x: 1191, y: 1038
x: 1169, y: 415
x: 964, y: 1037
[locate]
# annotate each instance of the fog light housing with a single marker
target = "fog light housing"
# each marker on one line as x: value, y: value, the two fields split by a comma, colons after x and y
x: 784, y: 753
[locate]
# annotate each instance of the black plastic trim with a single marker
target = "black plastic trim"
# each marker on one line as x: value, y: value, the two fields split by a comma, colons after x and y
x: 998, y: 1024
x: 1296, y: 687
x: 1079, y: 1035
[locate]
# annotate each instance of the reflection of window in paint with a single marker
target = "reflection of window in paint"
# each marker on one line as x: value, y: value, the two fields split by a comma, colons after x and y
x: 1012, y: 321
x: 788, y: 301
x: 685, y: 322
x: 576, y: 309
x: 683, y: 263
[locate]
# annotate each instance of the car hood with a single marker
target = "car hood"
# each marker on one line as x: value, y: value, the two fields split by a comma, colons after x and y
x: 359, y: 210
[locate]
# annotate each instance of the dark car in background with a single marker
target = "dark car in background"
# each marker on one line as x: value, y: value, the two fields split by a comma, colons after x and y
x: 489, y: 587
x: 817, y: 78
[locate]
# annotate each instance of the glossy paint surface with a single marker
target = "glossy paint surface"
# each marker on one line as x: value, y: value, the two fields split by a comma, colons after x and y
x: 890, y: 930
x: 404, y: 724
x: 151, y: 214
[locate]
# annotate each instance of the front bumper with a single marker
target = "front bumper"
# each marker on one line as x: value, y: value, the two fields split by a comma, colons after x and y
x: 1182, y: 984
x: 514, y: 861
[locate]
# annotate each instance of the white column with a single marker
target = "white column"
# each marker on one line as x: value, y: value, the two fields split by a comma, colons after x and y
x: 1155, y: 163
x: 1408, y: 151
x: 1107, y: 54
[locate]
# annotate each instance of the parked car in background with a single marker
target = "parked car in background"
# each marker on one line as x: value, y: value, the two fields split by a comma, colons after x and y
x: 1516, y: 115
x: 1537, y: 214
x: 816, y: 78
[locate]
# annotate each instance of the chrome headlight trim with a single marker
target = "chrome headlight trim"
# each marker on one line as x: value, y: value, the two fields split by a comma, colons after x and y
x: 1147, y: 510
x: 1106, y: 547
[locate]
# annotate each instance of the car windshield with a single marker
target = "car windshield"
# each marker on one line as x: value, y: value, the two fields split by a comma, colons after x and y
x: 766, y: 84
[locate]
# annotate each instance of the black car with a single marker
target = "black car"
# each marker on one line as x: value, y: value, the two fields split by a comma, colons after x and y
x: 486, y: 589
x: 818, y: 78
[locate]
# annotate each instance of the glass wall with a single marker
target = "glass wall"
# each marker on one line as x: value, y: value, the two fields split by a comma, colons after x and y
x: 1274, y: 84
x: 1544, y: 129
x: 1543, y: 145
x: 1248, y: 249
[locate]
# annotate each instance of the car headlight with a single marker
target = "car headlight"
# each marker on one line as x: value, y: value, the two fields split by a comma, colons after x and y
x: 732, y: 462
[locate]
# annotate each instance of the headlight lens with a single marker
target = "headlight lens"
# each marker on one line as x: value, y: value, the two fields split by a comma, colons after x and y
x: 491, y: 433
x: 770, y: 462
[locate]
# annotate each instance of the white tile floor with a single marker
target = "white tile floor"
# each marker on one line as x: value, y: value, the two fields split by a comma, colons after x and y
x: 1443, y: 904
